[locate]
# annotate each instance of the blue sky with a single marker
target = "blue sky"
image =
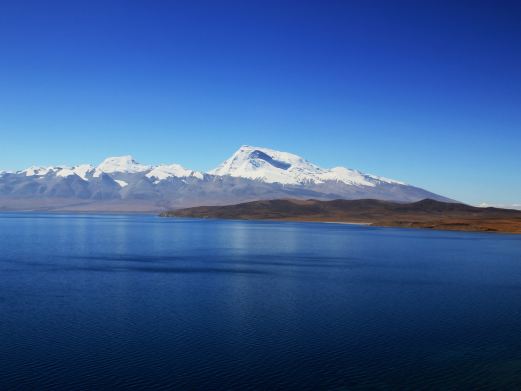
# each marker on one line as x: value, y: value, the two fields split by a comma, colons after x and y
x: 425, y: 92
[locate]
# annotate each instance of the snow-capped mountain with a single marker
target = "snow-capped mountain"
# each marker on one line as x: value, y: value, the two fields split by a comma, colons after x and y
x: 251, y: 173
x: 121, y: 164
x: 270, y: 166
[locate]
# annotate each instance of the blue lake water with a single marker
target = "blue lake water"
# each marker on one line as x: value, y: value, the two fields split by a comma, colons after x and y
x: 118, y: 301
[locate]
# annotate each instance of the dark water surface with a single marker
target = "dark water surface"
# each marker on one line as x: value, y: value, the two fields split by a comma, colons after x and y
x: 116, y: 302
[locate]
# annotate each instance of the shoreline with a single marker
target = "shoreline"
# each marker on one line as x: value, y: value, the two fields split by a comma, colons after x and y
x: 425, y: 214
x: 360, y: 224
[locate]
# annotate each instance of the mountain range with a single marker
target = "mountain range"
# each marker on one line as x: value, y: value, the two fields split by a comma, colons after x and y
x: 251, y: 173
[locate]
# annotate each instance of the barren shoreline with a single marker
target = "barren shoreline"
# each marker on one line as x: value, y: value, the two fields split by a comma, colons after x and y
x: 427, y: 214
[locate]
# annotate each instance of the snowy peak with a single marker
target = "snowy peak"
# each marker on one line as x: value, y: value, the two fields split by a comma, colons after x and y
x: 82, y: 171
x: 166, y: 171
x: 271, y: 166
x: 121, y: 164
x: 127, y: 165
x: 37, y: 171
x: 59, y: 171
x: 113, y: 166
x: 267, y: 165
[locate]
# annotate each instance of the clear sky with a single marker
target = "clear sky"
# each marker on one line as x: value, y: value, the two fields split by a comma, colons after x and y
x: 428, y: 92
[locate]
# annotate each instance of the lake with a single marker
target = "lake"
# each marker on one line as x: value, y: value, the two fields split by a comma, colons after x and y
x: 134, y: 301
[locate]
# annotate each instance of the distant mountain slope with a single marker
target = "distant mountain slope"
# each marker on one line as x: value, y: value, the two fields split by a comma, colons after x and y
x: 422, y: 214
x: 251, y: 173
